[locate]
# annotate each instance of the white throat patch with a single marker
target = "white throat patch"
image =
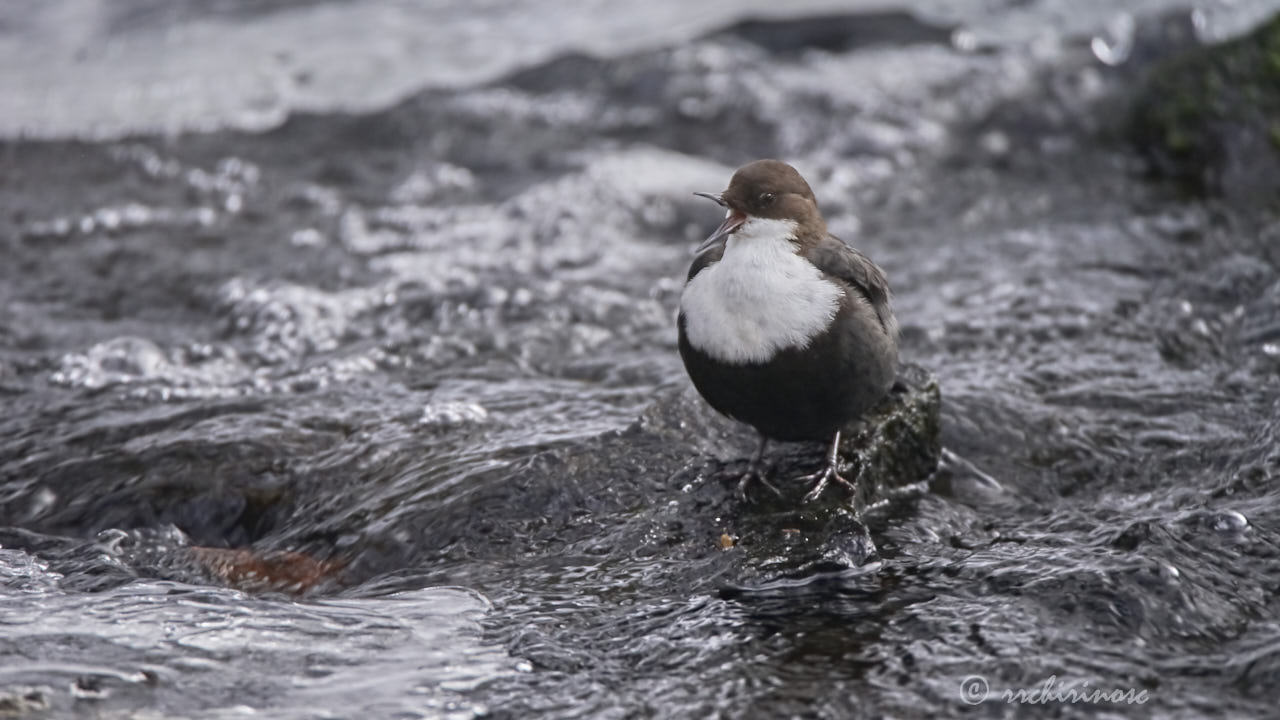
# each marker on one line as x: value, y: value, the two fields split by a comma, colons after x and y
x: 761, y: 297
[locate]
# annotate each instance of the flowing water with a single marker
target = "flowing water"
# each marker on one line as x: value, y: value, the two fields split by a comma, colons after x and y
x: 315, y: 319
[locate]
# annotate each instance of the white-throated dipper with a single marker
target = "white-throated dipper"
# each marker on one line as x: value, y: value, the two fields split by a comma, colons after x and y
x: 782, y: 325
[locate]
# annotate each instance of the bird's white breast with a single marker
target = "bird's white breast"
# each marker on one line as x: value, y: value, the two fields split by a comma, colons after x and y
x: 761, y: 297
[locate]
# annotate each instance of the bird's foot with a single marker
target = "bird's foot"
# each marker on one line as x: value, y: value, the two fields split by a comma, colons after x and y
x: 823, y: 477
x: 757, y: 474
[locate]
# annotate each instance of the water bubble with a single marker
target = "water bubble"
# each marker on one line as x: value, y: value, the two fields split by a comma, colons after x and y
x: 996, y: 143
x: 422, y: 186
x: 119, y: 360
x: 203, y: 216
x: 1230, y: 521
x: 307, y: 237
x: 1115, y: 49
x: 41, y: 501
x: 452, y: 414
x: 964, y: 40
x: 136, y: 215
x: 109, y: 218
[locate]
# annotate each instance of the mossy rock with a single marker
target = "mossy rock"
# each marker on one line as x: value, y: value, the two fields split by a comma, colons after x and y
x: 780, y: 537
x: 1209, y: 119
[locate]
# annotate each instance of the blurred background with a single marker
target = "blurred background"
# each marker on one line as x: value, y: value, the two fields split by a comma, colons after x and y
x: 339, y: 376
x: 91, y: 68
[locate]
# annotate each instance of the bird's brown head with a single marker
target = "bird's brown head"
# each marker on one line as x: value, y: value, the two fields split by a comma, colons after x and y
x: 768, y: 189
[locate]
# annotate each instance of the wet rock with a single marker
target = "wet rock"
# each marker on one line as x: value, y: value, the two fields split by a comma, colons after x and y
x: 838, y: 33
x: 164, y: 470
x: 24, y: 701
x: 665, y: 488
x: 1208, y: 118
x: 783, y: 537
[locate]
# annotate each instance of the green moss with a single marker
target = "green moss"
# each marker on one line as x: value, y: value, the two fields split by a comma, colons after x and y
x: 1275, y: 135
x: 1190, y: 106
x: 1178, y: 140
x: 1273, y: 49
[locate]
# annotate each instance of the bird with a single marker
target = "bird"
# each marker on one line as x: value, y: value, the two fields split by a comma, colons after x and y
x: 782, y: 325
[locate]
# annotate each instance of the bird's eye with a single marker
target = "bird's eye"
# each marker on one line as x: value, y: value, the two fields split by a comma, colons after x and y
x: 766, y: 198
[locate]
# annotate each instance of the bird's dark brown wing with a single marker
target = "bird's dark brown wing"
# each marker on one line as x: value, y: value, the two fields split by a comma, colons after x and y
x: 834, y: 257
x: 707, y: 257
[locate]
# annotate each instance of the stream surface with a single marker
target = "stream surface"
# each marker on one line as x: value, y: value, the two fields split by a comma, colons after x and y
x: 296, y: 297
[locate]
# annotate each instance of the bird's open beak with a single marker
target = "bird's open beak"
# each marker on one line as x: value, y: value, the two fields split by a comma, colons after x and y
x: 733, y: 219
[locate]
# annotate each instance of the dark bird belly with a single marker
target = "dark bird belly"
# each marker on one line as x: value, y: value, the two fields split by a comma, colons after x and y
x: 802, y: 393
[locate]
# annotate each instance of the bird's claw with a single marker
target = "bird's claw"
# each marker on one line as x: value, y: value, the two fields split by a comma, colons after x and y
x: 823, y: 477
x: 756, y: 474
